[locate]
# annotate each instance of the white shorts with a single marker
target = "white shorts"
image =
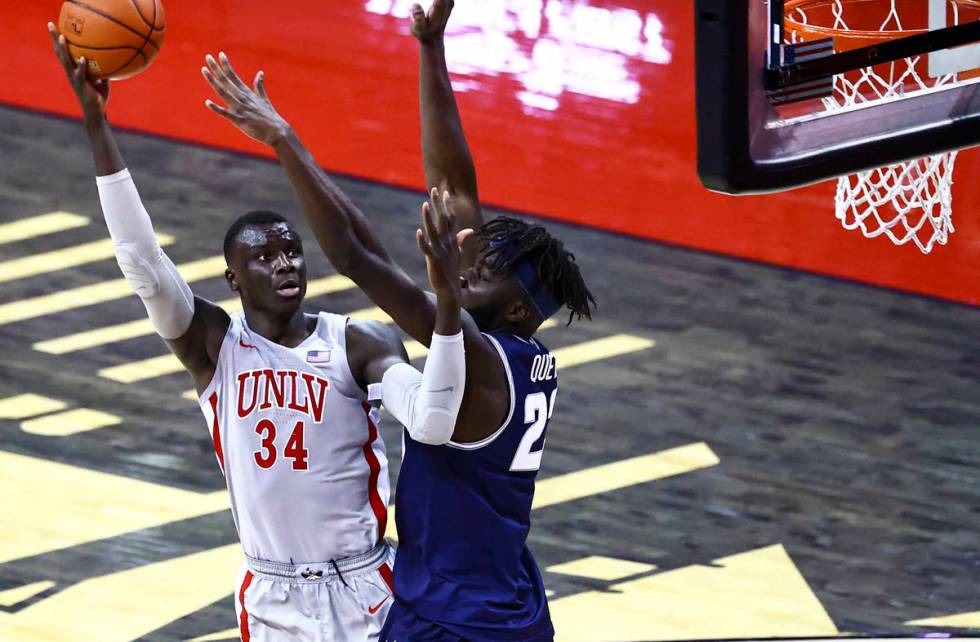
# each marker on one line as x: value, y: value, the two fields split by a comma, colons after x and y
x: 337, y: 601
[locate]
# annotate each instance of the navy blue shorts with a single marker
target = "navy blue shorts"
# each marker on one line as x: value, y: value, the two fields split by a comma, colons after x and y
x: 402, y: 625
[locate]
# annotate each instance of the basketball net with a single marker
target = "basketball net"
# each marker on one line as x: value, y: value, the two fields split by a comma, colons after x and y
x: 908, y: 201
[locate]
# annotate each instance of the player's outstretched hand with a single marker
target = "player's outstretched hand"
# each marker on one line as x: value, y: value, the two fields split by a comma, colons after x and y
x: 248, y: 108
x: 93, y: 94
x: 429, y: 27
x: 440, y: 245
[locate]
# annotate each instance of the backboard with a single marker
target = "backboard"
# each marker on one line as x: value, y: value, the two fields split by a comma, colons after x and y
x: 767, y: 74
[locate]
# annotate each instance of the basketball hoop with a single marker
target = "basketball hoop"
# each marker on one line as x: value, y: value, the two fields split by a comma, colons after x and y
x: 908, y: 201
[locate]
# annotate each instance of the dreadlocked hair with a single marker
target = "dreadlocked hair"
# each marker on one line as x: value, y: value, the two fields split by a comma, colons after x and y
x: 554, y: 266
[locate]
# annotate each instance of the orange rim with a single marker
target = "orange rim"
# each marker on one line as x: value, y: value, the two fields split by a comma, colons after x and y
x: 846, y: 38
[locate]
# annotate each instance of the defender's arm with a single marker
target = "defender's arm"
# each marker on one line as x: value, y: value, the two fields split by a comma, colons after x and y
x: 339, y: 226
x: 445, y: 154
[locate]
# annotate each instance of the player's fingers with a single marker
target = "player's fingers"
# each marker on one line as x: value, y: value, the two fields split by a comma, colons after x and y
x: 61, y: 49
x: 423, y: 245
x: 56, y: 41
x: 216, y: 71
x: 448, y: 214
x: 220, y: 88
x: 260, y: 85
x: 441, y: 216
x: 230, y: 72
x: 462, y: 235
x: 427, y: 223
x: 222, y: 111
x: 434, y: 229
x: 102, y: 86
x: 80, y: 69
x: 418, y: 13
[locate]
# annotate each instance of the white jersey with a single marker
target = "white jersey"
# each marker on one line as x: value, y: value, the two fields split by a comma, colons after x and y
x: 299, y: 445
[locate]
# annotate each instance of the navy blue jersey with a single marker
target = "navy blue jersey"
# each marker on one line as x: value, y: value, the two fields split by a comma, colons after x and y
x: 464, y: 511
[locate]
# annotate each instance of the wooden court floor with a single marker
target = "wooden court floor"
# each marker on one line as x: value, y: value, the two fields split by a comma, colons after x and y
x: 737, y: 451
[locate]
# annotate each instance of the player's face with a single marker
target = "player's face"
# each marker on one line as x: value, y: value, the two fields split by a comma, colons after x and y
x: 487, y: 296
x: 270, y: 270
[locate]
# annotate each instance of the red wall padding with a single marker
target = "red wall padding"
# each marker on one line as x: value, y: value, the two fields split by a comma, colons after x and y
x: 608, y: 139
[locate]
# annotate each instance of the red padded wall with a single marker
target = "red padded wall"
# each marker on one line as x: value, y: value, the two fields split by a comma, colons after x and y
x: 580, y: 111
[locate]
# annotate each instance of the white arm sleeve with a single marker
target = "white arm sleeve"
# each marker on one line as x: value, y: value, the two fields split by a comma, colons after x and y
x: 427, y: 403
x: 168, y: 299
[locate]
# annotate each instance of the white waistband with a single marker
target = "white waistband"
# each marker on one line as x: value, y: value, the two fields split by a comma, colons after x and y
x: 321, y: 571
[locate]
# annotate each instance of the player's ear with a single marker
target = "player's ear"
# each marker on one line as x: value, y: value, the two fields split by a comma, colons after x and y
x: 518, y: 312
x: 232, y: 279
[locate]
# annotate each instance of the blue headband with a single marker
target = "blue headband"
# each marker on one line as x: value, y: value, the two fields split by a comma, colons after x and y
x: 527, y: 276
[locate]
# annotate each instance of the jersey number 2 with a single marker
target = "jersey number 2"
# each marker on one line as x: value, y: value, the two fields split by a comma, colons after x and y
x: 537, y: 412
x: 266, y: 456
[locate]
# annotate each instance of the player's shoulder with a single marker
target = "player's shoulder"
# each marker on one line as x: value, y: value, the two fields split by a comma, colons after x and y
x: 372, y: 336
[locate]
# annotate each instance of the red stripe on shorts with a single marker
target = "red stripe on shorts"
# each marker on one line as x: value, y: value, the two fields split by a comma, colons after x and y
x: 380, y: 510
x: 216, y: 434
x: 243, y: 624
x: 385, y: 571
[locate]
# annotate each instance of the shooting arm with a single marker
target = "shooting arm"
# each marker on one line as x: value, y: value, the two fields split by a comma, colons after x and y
x: 192, y: 328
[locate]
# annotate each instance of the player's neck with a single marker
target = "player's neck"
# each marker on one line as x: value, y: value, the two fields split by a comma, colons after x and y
x: 287, y: 331
x: 521, y: 330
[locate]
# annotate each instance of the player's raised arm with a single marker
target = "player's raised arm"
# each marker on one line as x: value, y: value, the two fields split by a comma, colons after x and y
x: 445, y: 153
x: 192, y: 328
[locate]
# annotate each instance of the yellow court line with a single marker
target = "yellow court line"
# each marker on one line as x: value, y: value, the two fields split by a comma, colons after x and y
x: 40, y: 225
x: 620, y: 474
x: 70, y: 422
x: 600, y: 349
x: 959, y: 620
x: 609, y: 477
x: 54, y: 505
x: 569, y: 356
x: 598, y: 567
x: 101, y: 292
x: 18, y: 594
x: 28, y: 405
x: 143, y: 327
x: 68, y: 257
x: 219, y: 636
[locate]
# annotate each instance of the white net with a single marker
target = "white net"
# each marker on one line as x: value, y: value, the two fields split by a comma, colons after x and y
x: 909, y: 201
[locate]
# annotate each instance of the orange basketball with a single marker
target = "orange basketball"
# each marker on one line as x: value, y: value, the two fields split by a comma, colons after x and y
x: 119, y: 38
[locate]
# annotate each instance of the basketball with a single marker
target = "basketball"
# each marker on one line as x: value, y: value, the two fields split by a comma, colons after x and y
x: 119, y: 38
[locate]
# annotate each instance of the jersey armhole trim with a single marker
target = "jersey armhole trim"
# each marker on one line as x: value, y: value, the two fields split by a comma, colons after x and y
x: 510, y: 414
x: 342, y: 341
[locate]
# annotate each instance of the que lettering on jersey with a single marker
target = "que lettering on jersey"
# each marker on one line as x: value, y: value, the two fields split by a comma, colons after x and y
x: 543, y: 367
x: 281, y: 389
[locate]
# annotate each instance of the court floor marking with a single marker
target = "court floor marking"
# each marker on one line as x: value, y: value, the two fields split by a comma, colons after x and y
x: 28, y: 405
x: 47, y: 417
x: 94, y: 505
x: 40, y: 225
x: 620, y: 474
x: 143, y: 327
x: 575, y: 355
x: 100, y: 292
x: 606, y: 478
x: 70, y: 422
x: 46, y: 262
